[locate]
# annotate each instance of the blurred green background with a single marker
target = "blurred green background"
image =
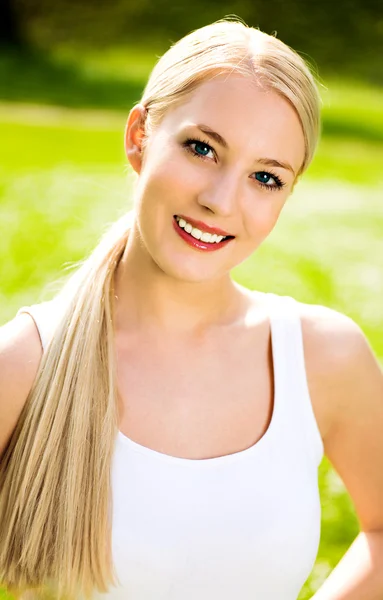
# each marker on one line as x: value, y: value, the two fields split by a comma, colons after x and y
x: 69, y: 74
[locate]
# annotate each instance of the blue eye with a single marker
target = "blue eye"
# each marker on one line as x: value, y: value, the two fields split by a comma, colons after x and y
x: 198, y: 144
x: 263, y: 177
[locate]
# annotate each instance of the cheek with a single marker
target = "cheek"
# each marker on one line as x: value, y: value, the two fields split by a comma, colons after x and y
x: 162, y: 188
x: 263, y: 216
x: 168, y: 176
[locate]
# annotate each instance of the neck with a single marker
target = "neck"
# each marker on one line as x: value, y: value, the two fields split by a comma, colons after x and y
x: 147, y: 299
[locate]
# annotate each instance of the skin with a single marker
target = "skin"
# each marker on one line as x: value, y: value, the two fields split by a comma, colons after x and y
x: 187, y: 286
x: 165, y: 288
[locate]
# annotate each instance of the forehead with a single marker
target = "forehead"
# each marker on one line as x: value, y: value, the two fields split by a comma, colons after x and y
x: 247, y: 116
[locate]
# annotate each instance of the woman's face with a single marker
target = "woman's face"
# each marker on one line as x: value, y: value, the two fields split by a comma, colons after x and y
x: 235, y: 180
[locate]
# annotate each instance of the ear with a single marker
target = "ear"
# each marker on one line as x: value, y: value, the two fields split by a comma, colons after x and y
x: 134, y: 132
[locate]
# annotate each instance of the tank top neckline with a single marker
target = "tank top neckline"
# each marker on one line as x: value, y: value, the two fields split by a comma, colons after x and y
x: 263, y: 441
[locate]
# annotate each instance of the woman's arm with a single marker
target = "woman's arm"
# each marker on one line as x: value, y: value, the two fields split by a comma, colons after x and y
x: 20, y: 355
x: 359, y: 575
x: 348, y: 390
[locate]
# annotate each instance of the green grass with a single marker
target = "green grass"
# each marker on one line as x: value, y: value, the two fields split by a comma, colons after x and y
x: 114, y: 78
x: 63, y: 178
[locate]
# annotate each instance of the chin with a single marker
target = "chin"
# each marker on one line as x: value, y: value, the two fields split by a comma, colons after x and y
x: 189, y: 271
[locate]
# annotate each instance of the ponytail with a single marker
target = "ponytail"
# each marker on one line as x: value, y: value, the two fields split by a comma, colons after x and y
x: 55, y: 487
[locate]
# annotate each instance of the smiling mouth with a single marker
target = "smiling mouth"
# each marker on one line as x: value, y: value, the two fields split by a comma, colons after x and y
x: 199, y: 240
x: 209, y: 237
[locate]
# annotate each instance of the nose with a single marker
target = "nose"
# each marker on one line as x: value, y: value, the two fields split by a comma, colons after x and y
x: 221, y: 196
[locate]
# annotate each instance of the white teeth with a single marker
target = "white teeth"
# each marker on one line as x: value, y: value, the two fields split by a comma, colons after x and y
x: 204, y: 236
x: 196, y: 233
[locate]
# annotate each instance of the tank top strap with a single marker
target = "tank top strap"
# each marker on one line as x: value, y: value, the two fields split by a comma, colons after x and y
x: 290, y: 372
x: 45, y: 316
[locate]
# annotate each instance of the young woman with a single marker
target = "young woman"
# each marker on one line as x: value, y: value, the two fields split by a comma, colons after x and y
x: 161, y: 425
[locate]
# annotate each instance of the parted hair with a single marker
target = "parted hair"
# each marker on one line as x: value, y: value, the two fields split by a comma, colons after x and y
x: 55, y: 473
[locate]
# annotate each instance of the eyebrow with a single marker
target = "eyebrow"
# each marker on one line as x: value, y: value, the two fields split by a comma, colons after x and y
x: 272, y: 162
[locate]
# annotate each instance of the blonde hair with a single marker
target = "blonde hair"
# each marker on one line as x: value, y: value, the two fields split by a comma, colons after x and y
x: 55, y: 474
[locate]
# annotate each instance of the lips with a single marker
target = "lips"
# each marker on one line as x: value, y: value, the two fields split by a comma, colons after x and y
x: 198, y: 244
x: 204, y: 227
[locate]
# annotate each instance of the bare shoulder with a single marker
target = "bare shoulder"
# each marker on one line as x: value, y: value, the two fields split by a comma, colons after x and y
x: 330, y: 336
x: 20, y: 355
x: 339, y: 360
x: 346, y: 388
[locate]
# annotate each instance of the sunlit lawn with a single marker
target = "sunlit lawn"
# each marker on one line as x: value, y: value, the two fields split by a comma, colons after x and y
x: 63, y: 178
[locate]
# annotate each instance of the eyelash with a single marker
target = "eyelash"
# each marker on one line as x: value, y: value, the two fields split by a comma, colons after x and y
x: 279, y: 184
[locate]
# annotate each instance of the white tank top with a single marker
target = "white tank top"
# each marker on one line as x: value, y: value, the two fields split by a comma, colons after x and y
x: 245, y: 525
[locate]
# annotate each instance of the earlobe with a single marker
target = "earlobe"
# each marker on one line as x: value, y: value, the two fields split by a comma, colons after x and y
x: 134, y: 133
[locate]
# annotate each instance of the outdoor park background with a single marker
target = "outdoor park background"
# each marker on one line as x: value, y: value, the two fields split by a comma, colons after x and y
x: 70, y: 73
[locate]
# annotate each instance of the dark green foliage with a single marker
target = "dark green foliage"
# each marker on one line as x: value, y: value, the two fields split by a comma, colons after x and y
x: 344, y: 37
